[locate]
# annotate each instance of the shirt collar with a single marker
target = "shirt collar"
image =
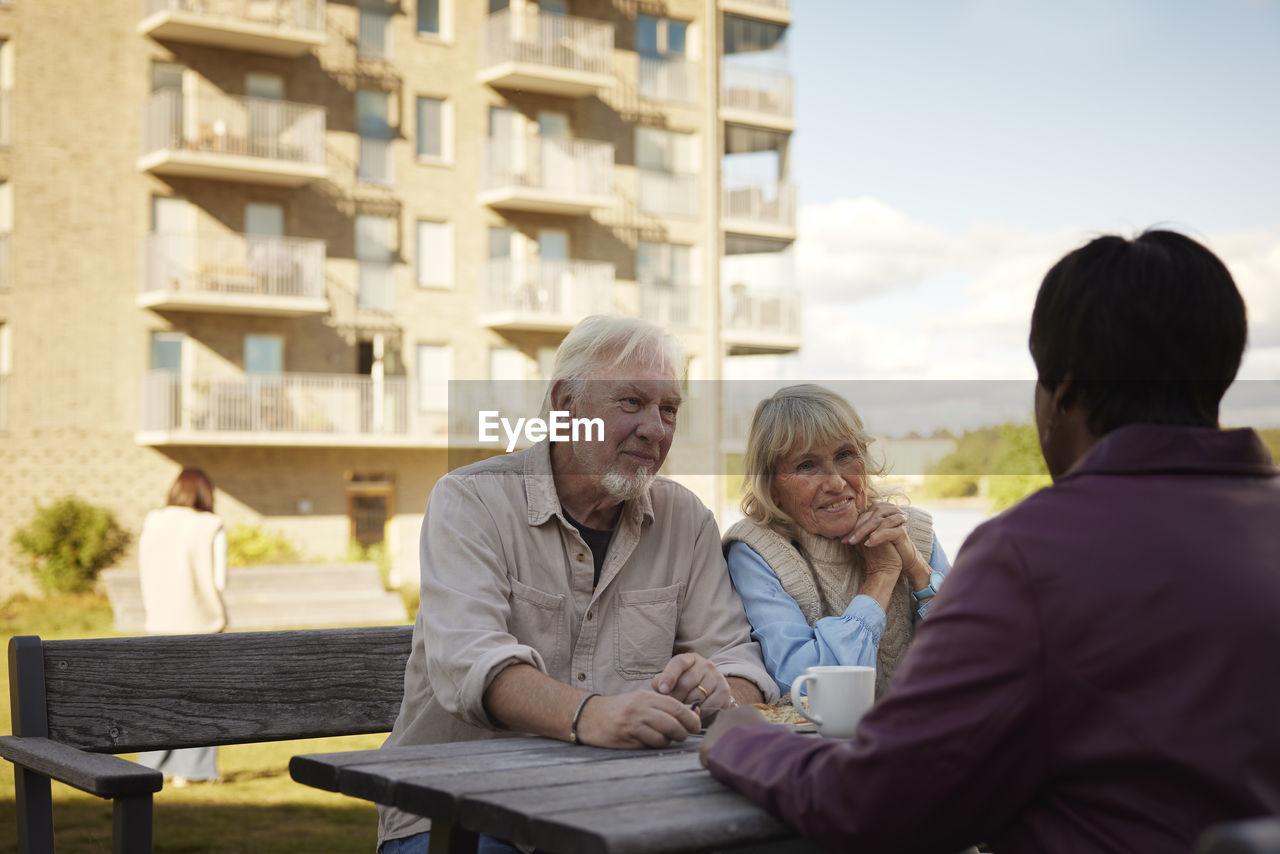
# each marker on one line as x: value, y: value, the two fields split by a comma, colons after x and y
x: 1158, y: 448
x: 544, y: 501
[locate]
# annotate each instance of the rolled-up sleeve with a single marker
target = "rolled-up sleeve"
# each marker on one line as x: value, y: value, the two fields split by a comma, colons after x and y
x: 465, y: 601
x: 713, y: 622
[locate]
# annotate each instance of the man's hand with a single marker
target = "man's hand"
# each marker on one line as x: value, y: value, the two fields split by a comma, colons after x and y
x: 636, y: 719
x: 725, y: 721
x: 691, y: 678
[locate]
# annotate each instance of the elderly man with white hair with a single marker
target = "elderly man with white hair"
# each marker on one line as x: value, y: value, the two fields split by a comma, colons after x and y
x: 568, y: 591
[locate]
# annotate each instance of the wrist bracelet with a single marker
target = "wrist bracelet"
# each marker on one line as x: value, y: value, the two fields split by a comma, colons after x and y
x: 577, y: 717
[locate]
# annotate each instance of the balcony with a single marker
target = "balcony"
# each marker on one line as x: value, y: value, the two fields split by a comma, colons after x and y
x: 761, y: 321
x: 777, y: 11
x: 669, y: 305
x: 756, y: 96
x: 552, y: 54
x: 291, y: 409
x: 276, y: 27
x: 236, y: 274
x: 547, y: 175
x: 668, y: 193
x: 544, y: 296
x: 672, y: 80
x: 231, y: 138
x: 759, y: 209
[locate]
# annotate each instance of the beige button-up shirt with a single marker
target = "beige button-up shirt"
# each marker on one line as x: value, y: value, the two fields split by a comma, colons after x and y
x: 507, y: 579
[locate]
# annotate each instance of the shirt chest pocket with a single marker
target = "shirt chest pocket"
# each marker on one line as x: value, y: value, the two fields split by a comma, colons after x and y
x: 645, y: 631
x: 537, y: 619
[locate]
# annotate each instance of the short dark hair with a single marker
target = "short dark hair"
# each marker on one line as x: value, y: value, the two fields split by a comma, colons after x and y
x: 1149, y: 330
x: 193, y: 488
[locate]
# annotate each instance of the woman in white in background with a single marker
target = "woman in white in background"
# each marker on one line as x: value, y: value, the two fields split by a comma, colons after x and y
x: 182, y: 560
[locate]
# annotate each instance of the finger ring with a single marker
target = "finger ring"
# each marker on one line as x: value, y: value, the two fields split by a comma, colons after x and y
x: 705, y: 692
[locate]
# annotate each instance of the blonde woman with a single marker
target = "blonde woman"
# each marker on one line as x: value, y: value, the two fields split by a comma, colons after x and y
x: 828, y: 571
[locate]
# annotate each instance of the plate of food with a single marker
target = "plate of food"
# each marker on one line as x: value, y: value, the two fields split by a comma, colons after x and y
x: 786, y: 714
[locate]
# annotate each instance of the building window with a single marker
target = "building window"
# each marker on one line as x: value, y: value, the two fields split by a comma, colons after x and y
x: 668, y: 164
x: 432, y: 136
x: 6, y: 84
x: 375, y: 256
x: 375, y: 40
x: 4, y: 377
x: 374, y: 126
x: 433, y: 368
x: 434, y: 254
x: 431, y: 17
x: 661, y: 36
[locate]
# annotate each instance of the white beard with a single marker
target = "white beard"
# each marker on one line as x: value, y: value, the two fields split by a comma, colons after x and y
x: 627, y: 488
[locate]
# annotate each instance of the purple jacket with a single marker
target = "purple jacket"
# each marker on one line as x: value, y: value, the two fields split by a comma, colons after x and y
x: 1101, y: 672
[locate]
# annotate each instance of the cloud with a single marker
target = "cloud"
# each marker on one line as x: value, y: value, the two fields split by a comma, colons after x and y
x: 889, y: 297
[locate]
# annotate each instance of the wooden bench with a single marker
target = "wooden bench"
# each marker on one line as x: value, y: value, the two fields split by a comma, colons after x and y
x: 76, y: 701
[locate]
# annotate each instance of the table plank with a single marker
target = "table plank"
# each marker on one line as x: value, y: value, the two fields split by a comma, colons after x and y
x: 688, y: 822
x: 433, y: 788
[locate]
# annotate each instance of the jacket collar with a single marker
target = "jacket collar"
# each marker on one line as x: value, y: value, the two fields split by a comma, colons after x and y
x: 1157, y: 448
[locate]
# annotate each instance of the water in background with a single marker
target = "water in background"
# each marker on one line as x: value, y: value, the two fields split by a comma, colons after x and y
x: 951, y: 525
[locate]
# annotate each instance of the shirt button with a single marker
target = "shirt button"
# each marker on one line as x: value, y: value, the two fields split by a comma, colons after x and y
x: 581, y: 557
x: 590, y: 614
x: 582, y: 677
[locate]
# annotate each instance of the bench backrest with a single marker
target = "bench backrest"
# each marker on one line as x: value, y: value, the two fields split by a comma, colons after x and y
x: 118, y: 695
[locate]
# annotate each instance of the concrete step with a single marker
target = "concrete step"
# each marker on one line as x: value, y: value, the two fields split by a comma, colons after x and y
x: 270, y: 597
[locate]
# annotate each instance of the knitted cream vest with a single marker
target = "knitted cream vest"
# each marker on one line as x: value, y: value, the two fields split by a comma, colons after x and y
x: 824, y: 575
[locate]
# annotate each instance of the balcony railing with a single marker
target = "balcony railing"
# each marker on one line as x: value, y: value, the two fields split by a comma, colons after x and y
x: 663, y: 79
x: 541, y: 294
x: 278, y: 27
x: 547, y: 174
x: 377, y: 287
x: 756, y: 95
x: 236, y: 273
x: 375, y: 40
x: 761, y: 321
x: 669, y: 193
x: 759, y: 207
x: 668, y: 304
x: 554, y: 54
x: 4, y: 261
x: 377, y: 165
x: 327, y: 407
x: 237, y: 138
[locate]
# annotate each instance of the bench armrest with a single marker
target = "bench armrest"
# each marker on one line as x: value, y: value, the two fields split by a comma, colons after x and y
x: 98, y: 774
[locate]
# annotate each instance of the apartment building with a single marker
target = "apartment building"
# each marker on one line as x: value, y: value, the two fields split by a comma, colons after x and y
x: 262, y: 237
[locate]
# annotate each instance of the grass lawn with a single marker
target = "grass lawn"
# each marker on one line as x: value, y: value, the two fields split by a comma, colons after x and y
x: 256, y: 810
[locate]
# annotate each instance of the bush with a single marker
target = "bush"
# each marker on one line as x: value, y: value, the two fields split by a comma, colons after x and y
x: 250, y: 545
x: 376, y: 553
x: 69, y: 542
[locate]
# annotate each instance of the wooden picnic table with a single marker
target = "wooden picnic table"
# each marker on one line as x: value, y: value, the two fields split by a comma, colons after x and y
x: 557, y: 796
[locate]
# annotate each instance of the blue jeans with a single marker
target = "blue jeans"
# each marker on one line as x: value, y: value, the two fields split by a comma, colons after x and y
x: 420, y: 843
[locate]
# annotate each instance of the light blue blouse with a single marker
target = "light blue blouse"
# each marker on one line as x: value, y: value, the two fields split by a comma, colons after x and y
x: 788, y: 642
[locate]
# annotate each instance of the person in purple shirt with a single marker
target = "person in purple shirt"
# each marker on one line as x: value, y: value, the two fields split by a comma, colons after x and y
x: 1099, y: 672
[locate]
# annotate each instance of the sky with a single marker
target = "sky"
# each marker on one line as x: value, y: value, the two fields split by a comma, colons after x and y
x: 947, y: 152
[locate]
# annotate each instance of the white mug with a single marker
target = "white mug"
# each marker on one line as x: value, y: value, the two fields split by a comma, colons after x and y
x: 838, y: 697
